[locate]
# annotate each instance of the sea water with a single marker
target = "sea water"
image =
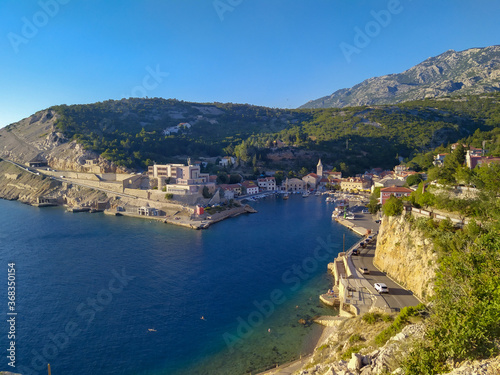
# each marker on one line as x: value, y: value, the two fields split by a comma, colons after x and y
x: 116, y: 295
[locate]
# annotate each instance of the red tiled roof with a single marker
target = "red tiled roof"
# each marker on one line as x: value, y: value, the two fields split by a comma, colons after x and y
x: 396, y: 189
x: 312, y: 175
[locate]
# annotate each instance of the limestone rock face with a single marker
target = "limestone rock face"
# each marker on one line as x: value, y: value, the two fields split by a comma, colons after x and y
x: 473, y: 71
x: 28, y: 187
x: 38, y: 137
x: 406, y: 256
x: 355, y: 362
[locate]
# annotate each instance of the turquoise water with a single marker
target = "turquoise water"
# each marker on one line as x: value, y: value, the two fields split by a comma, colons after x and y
x: 115, y: 295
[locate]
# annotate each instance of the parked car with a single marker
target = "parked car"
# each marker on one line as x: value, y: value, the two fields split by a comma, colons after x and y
x: 355, y: 252
x: 381, y: 288
x: 364, y: 270
x: 365, y: 211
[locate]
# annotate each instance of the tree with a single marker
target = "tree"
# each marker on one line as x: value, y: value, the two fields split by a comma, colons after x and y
x: 303, y: 171
x: 374, y: 205
x: 234, y: 178
x: 344, y: 168
x: 414, y: 179
x: 393, y: 206
x: 206, y: 192
x: 222, y: 178
x: 279, y: 177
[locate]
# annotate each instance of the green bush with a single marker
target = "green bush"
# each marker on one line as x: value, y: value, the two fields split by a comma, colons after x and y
x: 393, y: 206
x: 401, y: 320
x: 353, y: 349
x: 372, y: 318
x: 354, y: 338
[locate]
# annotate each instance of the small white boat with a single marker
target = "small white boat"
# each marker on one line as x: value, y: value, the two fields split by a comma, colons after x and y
x: 330, y: 199
x: 306, y: 194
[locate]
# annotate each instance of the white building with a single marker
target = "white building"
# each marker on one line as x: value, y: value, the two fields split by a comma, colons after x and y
x: 267, y: 183
x: 226, y: 161
x: 179, y: 178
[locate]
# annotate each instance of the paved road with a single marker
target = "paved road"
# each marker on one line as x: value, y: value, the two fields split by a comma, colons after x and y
x: 398, y: 297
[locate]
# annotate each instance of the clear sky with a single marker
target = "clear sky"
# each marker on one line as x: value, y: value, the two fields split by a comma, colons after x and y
x: 275, y: 53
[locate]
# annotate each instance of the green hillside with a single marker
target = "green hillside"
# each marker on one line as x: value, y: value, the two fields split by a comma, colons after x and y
x: 130, y: 131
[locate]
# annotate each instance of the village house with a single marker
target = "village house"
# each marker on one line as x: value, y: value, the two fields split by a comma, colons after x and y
x: 474, y: 157
x: 234, y: 188
x: 176, y: 129
x: 228, y: 192
x: 387, y: 182
x: 335, y: 175
x: 484, y: 160
x: 334, y: 181
x: 323, y: 182
x: 439, y: 159
x: 227, y: 161
x: 294, y: 185
x: 267, y: 183
x: 355, y: 183
x: 251, y: 187
x: 311, y: 180
x: 398, y: 169
x: 397, y: 191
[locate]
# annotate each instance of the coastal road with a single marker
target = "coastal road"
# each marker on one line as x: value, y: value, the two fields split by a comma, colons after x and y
x: 398, y: 297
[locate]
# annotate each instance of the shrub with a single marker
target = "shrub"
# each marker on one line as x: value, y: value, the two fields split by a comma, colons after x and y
x: 371, y: 318
x: 393, y: 207
x: 354, y: 338
x: 353, y: 349
x: 401, y: 320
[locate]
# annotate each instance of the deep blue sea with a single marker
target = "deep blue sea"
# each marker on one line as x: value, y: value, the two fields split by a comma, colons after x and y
x: 98, y: 294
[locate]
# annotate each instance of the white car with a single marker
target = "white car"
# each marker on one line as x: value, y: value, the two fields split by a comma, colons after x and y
x: 381, y: 287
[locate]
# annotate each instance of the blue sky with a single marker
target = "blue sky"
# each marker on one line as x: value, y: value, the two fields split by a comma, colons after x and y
x: 275, y: 53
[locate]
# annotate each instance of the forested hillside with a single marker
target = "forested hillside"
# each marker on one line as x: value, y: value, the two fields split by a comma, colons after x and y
x: 135, y: 132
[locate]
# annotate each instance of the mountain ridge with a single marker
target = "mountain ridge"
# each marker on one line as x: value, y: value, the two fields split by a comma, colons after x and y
x: 469, y: 72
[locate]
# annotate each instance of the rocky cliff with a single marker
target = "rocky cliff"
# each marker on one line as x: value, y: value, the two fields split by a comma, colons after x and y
x: 38, y: 137
x: 16, y: 184
x: 473, y: 71
x: 406, y: 255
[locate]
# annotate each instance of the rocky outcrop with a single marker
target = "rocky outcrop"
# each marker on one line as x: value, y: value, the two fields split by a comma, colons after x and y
x: 406, y: 255
x: 473, y: 71
x: 38, y: 137
x: 484, y: 367
x: 380, y: 361
x: 16, y: 184
x: 387, y: 359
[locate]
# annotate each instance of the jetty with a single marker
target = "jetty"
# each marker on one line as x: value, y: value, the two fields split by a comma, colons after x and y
x: 181, y: 218
x: 78, y: 209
